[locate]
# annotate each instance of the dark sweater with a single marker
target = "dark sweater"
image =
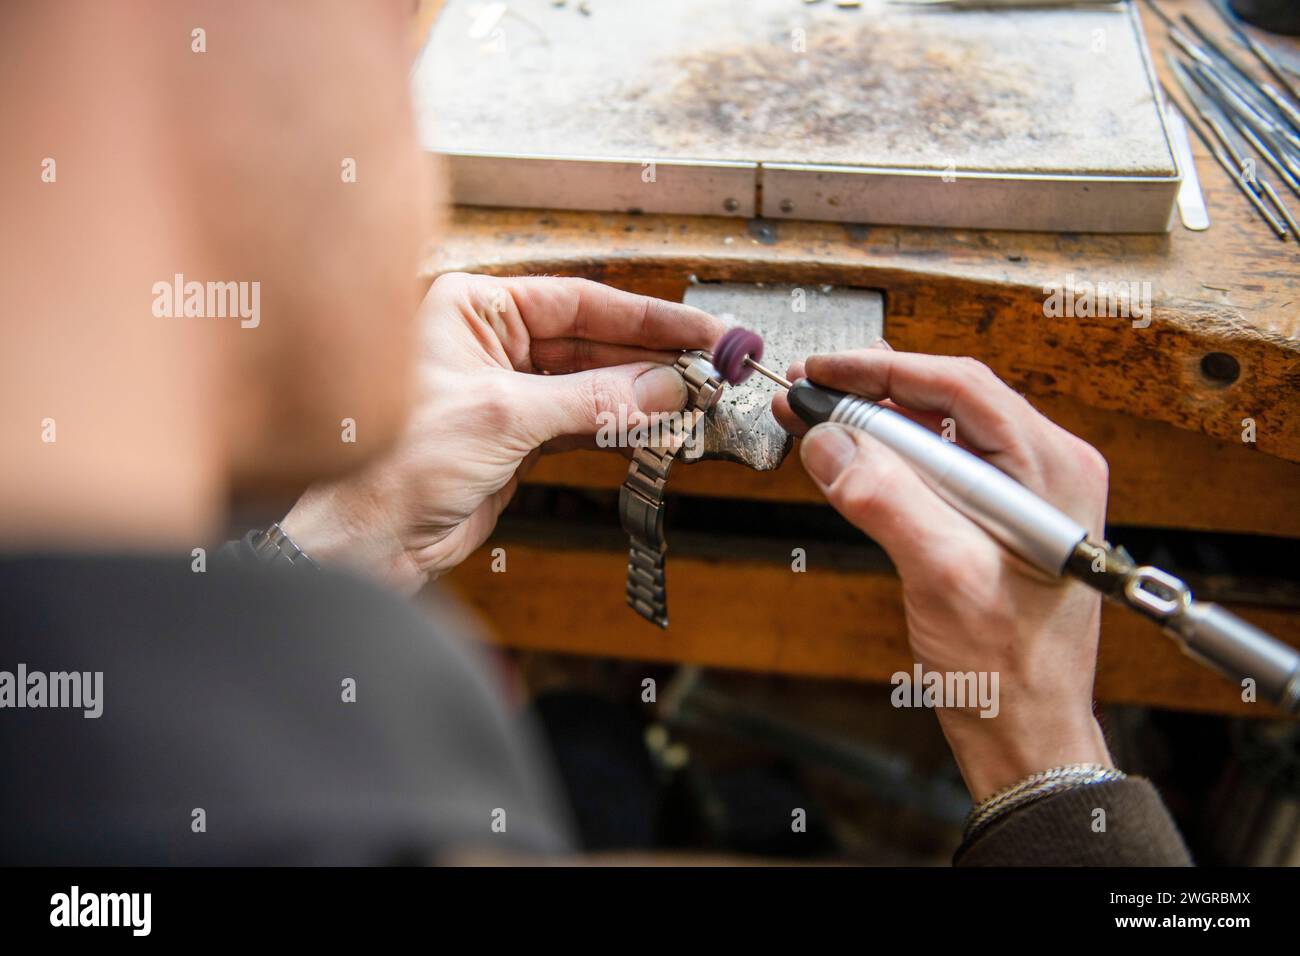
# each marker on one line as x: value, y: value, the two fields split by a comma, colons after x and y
x: 1062, y: 830
x: 223, y: 692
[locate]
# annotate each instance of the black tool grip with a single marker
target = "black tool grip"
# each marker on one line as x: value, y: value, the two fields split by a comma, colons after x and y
x: 812, y: 403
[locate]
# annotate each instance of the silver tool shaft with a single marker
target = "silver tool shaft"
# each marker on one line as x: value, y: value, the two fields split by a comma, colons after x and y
x: 1021, y: 521
x: 1252, y: 177
x: 1283, y: 173
x: 1262, y: 95
x: 1205, y: 97
x: 761, y: 370
x: 1280, y: 206
x: 1261, y: 52
x: 1278, y: 227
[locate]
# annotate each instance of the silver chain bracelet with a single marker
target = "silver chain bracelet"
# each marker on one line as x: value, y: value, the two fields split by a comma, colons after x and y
x: 1036, y: 787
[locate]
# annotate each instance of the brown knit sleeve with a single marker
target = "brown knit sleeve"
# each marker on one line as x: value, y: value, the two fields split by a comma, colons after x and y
x: 1066, y: 830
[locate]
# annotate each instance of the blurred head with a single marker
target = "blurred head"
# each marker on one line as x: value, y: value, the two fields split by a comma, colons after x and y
x: 264, y: 147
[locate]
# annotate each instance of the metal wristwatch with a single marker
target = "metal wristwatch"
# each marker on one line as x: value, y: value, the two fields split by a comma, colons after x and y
x: 641, y: 498
x: 274, y: 547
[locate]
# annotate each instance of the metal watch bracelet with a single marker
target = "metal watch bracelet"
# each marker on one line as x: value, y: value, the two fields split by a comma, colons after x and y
x: 274, y: 547
x: 641, y: 498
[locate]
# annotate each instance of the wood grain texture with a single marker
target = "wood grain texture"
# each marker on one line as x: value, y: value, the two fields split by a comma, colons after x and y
x: 977, y: 294
x: 820, y: 623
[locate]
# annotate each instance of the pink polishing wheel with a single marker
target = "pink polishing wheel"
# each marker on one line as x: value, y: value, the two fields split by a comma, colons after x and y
x: 729, y: 354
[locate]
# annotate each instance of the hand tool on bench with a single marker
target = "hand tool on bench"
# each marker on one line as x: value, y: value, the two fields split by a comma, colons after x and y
x: 1219, y: 125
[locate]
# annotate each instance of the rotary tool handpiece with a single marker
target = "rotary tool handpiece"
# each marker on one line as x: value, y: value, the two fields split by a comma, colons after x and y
x: 1040, y: 534
x: 1023, y: 523
x: 1054, y: 542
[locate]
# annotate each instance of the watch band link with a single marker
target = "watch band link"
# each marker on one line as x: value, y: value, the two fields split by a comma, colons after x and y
x: 641, y: 498
x: 274, y: 547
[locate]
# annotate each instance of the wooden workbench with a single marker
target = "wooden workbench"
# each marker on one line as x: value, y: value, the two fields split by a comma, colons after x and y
x: 1167, y: 405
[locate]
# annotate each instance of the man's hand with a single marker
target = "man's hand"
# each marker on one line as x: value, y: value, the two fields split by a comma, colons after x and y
x: 970, y: 605
x: 484, y: 412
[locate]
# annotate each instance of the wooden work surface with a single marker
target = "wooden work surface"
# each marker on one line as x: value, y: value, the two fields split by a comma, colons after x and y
x: 1169, y: 424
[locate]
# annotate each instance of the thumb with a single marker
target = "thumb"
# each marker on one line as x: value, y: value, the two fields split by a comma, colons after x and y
x: 883, y: 497
x: 580, y: 403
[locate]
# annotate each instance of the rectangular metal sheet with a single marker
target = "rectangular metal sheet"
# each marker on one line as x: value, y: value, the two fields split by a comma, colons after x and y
x: 1048, y: 117
x: 663, y: 186
x: 969, y: 200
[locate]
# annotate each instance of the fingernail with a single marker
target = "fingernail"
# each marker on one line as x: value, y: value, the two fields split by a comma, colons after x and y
x: 826, y: 451
x: 881, y: 344
x: 660, y: 389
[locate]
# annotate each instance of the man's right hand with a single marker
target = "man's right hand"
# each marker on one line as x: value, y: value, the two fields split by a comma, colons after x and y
x: 970, y: 604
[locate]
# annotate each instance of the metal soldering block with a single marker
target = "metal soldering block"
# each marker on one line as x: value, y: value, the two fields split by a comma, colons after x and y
x: 795, y: 321
x: 1012, y: 119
